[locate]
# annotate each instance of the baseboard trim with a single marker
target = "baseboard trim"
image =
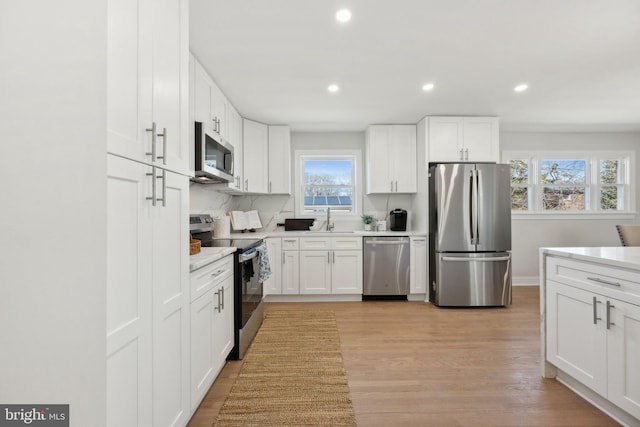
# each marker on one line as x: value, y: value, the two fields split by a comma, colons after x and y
x: 525, y: 281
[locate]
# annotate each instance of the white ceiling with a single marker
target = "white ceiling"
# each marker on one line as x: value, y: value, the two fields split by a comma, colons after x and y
x: 275, y: 58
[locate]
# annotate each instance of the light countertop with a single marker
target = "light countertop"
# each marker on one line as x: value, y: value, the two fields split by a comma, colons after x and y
x: 208, y: 255
x: 323, y: 233
x: 616, y: 256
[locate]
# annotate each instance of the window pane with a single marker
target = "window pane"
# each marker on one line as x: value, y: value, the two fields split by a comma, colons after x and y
x: 563, y: 171
x: 563, y: 198
x: 333, y: 172
x: 609, y: 171
x: 609, y: 198
x: 519, y: 171
x: 519, y: 198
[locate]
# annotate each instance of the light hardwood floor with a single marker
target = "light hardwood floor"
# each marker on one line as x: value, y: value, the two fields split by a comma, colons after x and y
x: 413, y: 364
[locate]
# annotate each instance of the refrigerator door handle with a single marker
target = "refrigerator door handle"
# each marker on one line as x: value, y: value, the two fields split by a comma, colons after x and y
x: 477, y: 205
x: 464, y: 259
x: 471, y: 208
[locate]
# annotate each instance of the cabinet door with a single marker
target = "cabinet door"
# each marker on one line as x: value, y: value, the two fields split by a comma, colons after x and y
x: 202, y: 96
x: 219, y: 111
x: 290, y: 273
x: 273, y: 285
x: 445, y: 139
x: 256, y: 156
x: 129, y: 79
x: 576, y: 334
x: 624, y: 353
x: 171, y: 301
x: 129, y: 287
x: 223, y: 323
x: 379, y: 179
x: 403, y: 154
x: 419, y: 266
x: 279, y: 160
x: 346, y: 272
x: 170, y: 97
x: 235, y: 123
x: 315, y: 272
x: 481, y: 140
x: 202, y: 347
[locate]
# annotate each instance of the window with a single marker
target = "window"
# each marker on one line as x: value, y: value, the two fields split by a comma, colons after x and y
x: 571, y: 182
x: 326, y: 181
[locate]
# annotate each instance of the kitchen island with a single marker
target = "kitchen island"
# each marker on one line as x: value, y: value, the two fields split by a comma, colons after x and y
x: 590, y: 325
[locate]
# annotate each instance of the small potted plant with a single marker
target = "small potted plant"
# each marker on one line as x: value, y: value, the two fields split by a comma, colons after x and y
x: 367, y: 220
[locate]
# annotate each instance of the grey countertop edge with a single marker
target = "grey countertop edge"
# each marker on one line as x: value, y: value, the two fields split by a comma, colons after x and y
x: 321, y: 233
x: 615, y: 256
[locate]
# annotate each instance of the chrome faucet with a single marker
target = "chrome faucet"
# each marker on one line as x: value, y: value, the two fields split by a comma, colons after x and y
x: 329, y: 225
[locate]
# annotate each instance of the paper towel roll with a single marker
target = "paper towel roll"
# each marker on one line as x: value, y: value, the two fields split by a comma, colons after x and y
x: 222, y: 227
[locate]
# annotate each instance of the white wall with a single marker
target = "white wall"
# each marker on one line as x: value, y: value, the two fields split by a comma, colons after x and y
x: 53, y: 206
x: 529, y: 235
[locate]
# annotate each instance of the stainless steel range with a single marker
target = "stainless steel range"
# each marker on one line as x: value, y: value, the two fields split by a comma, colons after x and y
x: 248, y: 310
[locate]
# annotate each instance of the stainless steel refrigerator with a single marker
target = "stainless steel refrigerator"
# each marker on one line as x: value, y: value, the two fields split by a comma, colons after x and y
x: 469, y: 234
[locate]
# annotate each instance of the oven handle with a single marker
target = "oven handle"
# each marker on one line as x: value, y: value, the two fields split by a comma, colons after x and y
x: 243, y: 257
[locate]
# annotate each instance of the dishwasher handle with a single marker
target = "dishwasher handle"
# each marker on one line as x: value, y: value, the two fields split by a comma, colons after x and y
x: 401, y: 241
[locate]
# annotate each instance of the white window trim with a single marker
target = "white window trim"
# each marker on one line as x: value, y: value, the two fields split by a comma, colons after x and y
x: 298, y: 179
x: 591, y: 157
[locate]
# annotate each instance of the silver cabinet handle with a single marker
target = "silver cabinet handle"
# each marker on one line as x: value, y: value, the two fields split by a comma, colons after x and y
x: 246, y: 184
x: 606, y: 282
x: 334, y: 257
x: 153, y: 186
x: 396, y: 186
x: 466, y: 154
x: 152, y: 129
x: 222, y: 298
x: 609, y: 322
x: 595, y: 311
x: 328, y: 257
x: 163, y: 177
x: 163, y: 135
x: 391, y: 189
x: 461, y: 158
x: 269, y: 186
x: 217, y: 293
x: 238, y: 185
x: 217, y: 273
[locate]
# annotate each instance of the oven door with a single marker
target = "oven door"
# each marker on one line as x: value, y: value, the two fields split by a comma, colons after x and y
x: 251, y: 288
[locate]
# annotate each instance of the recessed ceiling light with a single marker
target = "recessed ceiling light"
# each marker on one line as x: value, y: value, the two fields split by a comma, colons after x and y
x: 521, y: 87
x: 333, y: 88
x: 343, y: 15
x: 428, y: 86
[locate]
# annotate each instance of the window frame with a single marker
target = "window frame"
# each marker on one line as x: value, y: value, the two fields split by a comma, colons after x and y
x: 327, y: 154
x: 593, y: 186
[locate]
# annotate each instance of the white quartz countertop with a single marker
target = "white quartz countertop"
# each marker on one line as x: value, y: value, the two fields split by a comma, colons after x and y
x: 322, y: 233
x: 208, y: 255
x: 616, y: 256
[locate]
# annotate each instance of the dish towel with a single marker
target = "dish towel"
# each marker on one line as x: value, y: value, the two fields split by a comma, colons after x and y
x: 263, y: 262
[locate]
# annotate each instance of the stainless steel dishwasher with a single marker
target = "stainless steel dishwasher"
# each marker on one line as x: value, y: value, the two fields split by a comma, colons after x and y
x: 386, y: 267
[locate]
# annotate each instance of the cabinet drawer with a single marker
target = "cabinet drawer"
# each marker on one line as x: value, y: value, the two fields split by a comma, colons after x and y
x: 346, y: 242
x: 290, y: 243
x: 315, y: 243
x: 595, y: 277
x: 207, y: 277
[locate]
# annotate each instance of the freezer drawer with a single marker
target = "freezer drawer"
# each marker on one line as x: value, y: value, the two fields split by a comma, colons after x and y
x: 386, y: 266
x: 471, y: 279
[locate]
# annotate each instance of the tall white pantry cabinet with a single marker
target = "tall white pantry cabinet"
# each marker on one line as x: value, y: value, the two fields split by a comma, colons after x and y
x: 147, y: 213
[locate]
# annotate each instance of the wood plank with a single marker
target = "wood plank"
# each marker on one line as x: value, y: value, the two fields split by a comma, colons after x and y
x: 414, y: 364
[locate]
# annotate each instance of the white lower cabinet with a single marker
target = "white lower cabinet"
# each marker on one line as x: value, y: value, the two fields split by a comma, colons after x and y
x: 211, y: 324
x: 273, y: 285
x: 418, y: 259
x: 315, y: 272
x: 290, y: 272
x: 591, y: 334
x: 147, y: 295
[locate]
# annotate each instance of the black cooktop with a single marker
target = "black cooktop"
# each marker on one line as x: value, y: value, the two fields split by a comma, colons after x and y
x: 241, y: 244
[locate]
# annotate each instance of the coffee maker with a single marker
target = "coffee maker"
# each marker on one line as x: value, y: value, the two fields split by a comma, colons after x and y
x: 398, y: 220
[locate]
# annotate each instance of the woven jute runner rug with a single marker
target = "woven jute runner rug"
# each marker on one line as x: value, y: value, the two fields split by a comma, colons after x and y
x: 292, y: 375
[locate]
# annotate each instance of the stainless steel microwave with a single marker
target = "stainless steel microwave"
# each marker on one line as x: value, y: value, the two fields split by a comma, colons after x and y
x: 213, y: 156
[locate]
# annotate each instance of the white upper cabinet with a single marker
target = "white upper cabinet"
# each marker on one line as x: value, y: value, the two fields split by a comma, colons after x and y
x: 147, y: 82
x: 256, y: 157
x: 463, y: 139
x: 391, y: 159
x: 279, y: 160
x: 267, y: 158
